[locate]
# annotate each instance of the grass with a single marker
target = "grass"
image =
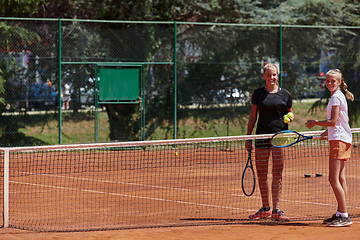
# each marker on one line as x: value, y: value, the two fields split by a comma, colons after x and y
x: 76, y: 128
x: 237, y: 125
x: 194, y: 123
x: 302, y: 115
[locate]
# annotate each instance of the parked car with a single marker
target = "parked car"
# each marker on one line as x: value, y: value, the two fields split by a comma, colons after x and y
x: 41, y: 96
x: 87, y: 96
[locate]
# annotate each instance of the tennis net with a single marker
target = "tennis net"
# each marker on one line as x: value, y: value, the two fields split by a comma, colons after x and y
x: 182, y: 182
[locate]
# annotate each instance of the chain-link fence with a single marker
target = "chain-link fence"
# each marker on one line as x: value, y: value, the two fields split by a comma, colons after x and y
x: 198, y: 77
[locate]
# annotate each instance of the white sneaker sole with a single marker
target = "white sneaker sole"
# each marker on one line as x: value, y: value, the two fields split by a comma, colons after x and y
x: 342, y: 224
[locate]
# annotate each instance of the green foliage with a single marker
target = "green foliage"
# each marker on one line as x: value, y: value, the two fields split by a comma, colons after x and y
x: 2, y: 90
x: 13, y: 39
x: 349, y: 61
x: 14, y: 35
x: 224, y: 63
x: 17, y: 8
x: 227, y: 57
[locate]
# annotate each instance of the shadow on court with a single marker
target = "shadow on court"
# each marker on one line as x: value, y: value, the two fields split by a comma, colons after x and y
x: 255, y: 222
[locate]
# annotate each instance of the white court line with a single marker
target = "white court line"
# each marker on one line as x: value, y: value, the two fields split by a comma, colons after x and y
x: 144, y: 185
x: 131, y: 196
x: 189, y: 190
x: 22, y: 192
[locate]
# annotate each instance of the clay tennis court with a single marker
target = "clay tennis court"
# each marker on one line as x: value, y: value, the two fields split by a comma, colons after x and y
x: 265, y: 231
x: 194, y: 190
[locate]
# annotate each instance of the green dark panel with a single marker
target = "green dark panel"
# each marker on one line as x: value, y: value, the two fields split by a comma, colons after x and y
x: 119, y: 84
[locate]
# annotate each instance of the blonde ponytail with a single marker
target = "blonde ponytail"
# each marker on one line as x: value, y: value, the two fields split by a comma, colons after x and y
x: 348, y: 94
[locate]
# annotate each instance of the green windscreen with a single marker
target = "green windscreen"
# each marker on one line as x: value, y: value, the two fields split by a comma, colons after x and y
x: 119, y: 83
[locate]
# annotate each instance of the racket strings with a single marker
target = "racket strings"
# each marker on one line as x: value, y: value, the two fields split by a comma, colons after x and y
x: 285, y: 139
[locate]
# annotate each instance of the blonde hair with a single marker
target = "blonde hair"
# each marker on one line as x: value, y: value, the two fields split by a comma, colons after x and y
x: 343, y: 85
x: 270, y: 65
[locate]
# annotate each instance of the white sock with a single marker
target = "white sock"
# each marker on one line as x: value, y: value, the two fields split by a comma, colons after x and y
x: 338, y: 213
x: 344, y: 214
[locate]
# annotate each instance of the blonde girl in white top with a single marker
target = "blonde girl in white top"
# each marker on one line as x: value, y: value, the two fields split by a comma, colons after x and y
x: 339, y: 136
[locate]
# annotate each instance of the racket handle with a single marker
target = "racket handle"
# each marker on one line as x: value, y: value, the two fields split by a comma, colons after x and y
x: 317, y: 137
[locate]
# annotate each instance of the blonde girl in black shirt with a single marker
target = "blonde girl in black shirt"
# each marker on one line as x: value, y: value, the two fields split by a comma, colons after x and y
x: 269, y: 105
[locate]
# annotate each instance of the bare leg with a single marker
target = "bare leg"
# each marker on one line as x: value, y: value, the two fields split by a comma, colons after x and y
x: 262, y: 164
x: 278, y: 166
x: 343, y: 178
x: 68, y: 104
x: 338, y: 182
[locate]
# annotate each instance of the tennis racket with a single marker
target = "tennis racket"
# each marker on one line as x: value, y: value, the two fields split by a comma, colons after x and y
x: 248, y: 178
x: 288, y: 138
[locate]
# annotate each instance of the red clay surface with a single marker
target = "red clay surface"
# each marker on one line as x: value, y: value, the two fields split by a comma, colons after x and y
x: 143, y: 188
x: 266, y: 231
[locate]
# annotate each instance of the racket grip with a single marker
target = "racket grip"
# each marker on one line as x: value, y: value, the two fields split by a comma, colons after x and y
x: 317, y: 137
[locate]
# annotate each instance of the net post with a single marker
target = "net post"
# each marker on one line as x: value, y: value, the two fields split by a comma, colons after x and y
x: 6, y: 188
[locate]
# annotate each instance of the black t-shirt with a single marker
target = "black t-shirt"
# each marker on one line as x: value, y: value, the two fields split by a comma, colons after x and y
x: 272, y: 107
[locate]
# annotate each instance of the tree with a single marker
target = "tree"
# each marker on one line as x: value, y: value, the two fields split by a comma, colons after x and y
x: 19, y: 8
x: 230, y: 56
x: 226, y: 57
x: 13, y: 39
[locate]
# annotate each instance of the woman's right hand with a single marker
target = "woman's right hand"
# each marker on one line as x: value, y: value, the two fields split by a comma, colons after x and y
x: 248, y: 145
x: 324, y: 135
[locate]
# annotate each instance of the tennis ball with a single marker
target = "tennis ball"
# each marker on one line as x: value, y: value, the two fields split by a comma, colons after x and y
x: 175, y: 153
x: 286, y: 119
x: 290, y: 114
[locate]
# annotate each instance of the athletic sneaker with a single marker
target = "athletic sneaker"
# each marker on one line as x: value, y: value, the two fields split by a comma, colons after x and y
x: 262, y: 213
x: 279, y: 216
x: 340, y: 222
x: 333, y: 217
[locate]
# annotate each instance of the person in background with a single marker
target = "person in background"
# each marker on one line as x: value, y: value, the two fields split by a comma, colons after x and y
x: 270, y: 103
x: 49, y: 83
x: 340, y: 139
x: 66, y: 95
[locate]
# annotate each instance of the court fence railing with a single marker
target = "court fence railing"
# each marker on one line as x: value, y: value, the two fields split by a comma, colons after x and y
x: 204, y: 72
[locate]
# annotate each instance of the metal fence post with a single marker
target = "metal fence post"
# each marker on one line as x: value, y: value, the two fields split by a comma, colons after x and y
x: 59, y: 95
x: 280, y: 57
x: 175, y: 83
